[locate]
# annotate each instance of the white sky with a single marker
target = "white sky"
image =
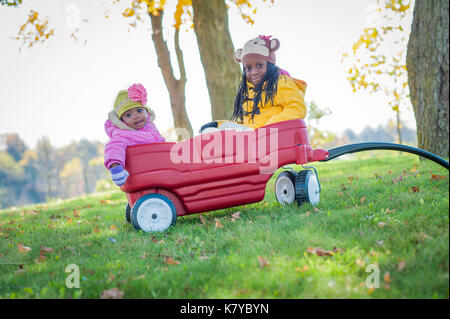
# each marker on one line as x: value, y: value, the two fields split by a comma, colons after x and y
x: 64, y: 89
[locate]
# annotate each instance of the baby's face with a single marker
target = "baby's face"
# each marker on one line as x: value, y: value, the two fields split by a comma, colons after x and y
x: 135, y: 118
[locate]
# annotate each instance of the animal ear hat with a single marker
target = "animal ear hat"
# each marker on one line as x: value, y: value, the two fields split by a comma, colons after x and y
x: 261, y: 46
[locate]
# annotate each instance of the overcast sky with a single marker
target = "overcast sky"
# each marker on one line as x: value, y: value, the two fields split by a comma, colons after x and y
x: 64, y: 88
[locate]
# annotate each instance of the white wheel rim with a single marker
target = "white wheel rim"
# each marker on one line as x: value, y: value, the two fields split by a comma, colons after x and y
x: 285, y: 190
x: 313, y: 190
x: 154, y: 214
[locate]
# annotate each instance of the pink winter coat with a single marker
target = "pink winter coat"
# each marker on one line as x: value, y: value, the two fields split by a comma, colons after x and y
x: 120, y: 139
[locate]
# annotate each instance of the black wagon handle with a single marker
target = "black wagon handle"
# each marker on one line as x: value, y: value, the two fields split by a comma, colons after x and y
x: 359, y: 147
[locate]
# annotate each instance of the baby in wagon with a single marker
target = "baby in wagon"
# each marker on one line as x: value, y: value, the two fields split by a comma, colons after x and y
x: 129, y: 123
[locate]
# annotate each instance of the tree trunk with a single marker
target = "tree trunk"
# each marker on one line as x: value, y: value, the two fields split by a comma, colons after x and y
x: 216, y: 51
x: 175, y: 87
x: 427, y: 64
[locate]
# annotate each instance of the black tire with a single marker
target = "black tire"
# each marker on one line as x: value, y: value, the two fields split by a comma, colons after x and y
x: 285, y: 191
x: 162, y: 210
x: 128, y: 213
x: 306, y: 188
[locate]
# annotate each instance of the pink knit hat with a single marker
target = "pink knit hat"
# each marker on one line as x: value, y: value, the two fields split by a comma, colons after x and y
x: 262, y: 47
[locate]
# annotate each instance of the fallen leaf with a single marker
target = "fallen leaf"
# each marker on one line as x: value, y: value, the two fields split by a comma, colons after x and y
x: 46, y: 249
x: 202, y: 219
x: 76, y: 213
x: 218, y: 224
x: 398, y: 179
x: 170, y: 261
x: 320, y: 252
x: 112, y: 293
x: 382, y: 224
x: 415, y: 189
x: 425, y: 236
x: 33, y: 212
x: 387, y: 277
x: 363, y: 199
x: 262, y: 262
x: 380, y: 242
x: 436, y: 177
x: 23, y: 249
x: 113, y: 227
x: 307, y: 213
x: 316, y: 209
x: 401, y: 265
x: 236, y: 215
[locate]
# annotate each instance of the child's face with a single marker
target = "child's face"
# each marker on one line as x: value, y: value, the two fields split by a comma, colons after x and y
x: 135, y: 118
x: 255, y: 69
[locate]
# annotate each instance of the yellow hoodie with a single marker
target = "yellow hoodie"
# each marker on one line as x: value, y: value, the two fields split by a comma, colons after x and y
x: 288, y: 103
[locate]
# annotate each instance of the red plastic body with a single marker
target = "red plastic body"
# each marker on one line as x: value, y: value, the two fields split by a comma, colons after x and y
x: 217, y: 170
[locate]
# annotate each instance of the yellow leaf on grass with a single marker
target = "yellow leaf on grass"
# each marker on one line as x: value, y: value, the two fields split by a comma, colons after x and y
x: 387, y: 277
x: 218, y: 224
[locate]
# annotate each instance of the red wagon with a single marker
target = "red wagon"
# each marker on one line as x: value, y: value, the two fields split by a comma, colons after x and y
x: 228, y: 168
x: 217, y: 170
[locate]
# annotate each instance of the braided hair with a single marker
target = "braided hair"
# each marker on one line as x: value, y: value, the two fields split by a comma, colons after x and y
x: 270, y: 89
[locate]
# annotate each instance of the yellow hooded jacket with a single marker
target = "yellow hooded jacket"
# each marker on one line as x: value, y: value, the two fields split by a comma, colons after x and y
x: 288, y: 103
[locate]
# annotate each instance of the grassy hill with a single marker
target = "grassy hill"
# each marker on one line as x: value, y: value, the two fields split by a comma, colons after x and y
x: 381, y: 213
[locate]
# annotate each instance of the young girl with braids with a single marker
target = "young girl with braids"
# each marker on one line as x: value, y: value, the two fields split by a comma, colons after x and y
x: 266, y: 94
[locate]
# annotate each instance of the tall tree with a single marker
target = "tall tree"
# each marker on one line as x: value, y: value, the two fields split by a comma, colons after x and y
x: 45, y: 153
x: 176, y: 87
x: 427, y: 64
x: 216, y: 51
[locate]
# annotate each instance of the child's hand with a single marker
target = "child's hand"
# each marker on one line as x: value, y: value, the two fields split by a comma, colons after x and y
x: 119, y: 175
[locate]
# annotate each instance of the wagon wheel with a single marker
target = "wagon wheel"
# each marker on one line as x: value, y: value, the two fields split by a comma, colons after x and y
x: 285, y: 187
x: 307, y: 189
x: 128, y: 213
x: 153, y: 212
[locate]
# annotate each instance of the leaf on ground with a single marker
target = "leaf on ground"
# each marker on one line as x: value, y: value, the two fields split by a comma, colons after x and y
x: 202, y: 219
x: 218, y: 224
x: 235, y: 216
x: 112, y: 293
x: 425, y: 236
x: 46, y: 249
x: 316, y: 209
x: 76, y: 213
x: 387, y: 277
x: 401, y: 265
x: 170, y: 261
x: 382, y: 224
x: 262, y: 262
x: 33, y: 212
x: 363, y: 199
x: 436, y: 177
x: 398, y: 179
x: 23, y: 249
x: 415, y: 189
x: 320, y: 252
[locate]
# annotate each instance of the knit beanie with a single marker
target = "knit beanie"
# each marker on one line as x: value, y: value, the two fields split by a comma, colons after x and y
x: 134, y: 96
x: 262, y: 47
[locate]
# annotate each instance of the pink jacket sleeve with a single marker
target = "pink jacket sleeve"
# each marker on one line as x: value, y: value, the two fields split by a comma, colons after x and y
x: 115, y: 151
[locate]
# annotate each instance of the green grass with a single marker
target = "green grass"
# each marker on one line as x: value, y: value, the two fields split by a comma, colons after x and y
x: 196, y: 260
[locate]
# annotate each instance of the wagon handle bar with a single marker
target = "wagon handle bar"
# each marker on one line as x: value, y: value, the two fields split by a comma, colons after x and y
x: 359, y: 147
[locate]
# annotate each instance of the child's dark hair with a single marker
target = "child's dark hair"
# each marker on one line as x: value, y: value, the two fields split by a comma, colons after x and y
x: 271, y: 77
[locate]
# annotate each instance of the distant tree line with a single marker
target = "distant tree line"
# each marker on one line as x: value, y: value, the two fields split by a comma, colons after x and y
x: 46, y: 172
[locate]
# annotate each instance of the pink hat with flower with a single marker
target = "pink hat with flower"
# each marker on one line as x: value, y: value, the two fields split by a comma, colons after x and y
x: 262, y: 47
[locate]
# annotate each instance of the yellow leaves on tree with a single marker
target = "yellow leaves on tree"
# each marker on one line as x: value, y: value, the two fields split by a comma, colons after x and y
x: 378, y: 58
x: 34, y: 30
